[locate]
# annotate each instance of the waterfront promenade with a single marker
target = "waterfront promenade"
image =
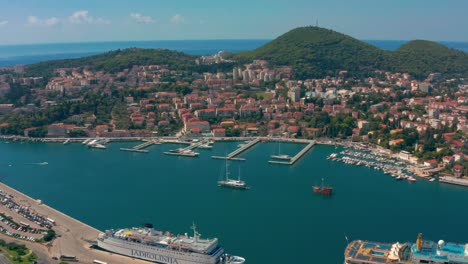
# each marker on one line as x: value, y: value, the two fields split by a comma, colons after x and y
x: 73, y: 236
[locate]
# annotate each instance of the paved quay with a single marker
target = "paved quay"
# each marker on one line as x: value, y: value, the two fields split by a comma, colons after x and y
x: 73, y: 236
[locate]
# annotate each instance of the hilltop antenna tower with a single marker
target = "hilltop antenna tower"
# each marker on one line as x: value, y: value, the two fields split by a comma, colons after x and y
x: 316, y: 22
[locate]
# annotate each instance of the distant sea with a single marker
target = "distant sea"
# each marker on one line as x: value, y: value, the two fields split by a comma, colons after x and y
x: 27, y: 54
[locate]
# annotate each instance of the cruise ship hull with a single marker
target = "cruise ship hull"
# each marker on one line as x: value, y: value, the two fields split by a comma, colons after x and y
x: 157, y: 254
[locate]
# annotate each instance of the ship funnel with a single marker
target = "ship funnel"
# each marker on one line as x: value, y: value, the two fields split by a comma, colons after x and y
x: 419, y: 242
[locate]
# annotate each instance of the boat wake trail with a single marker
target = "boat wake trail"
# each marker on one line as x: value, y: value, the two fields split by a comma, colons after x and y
x: 41, y: 163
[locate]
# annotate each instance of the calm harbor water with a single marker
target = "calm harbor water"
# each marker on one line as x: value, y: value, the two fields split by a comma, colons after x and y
x: 278, y: 221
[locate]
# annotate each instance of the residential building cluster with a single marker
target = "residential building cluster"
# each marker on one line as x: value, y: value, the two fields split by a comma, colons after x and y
x: 219, y: 104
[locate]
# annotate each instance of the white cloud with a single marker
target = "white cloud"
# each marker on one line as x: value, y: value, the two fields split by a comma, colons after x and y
x: 3, y: 23
x: 177, y: 19
x: 141, y: 18
x: 34, y: 20
x: 83, y: 17
x: 52, y: 21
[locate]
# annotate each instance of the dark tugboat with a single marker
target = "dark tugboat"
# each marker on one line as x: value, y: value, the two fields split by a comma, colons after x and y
x: 324, y: 190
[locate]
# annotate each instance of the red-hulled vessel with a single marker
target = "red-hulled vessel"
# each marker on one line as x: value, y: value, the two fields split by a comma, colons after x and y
x: 324, y: 190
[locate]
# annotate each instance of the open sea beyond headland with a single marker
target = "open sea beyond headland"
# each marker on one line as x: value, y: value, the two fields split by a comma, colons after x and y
x: 27, y: 54
x: 279, y: 220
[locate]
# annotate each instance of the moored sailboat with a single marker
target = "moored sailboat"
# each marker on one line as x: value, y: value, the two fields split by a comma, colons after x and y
x: 280, y: 156
x: 231, y: 183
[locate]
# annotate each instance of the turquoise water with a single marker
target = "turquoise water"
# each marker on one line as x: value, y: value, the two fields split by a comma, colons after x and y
x: 279, y: 220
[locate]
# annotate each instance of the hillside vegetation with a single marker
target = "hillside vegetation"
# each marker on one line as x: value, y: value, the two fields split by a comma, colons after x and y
x: 115, y: 61
x: 317, y: 52
x: 421, y: 57
x: 313, y: 52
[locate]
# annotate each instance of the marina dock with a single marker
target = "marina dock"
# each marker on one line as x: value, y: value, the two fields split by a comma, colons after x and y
x: 453, y: 180
x: 140, y: 148
x: 188, y: 151
x: 73, y: 237
x: 297, y: 157
x: 232, y: 155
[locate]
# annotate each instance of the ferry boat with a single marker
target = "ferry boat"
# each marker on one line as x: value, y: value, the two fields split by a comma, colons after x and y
x: 149, y: 244
x: 231, y: 183
x: 423, y: 251
x: 325, y: 190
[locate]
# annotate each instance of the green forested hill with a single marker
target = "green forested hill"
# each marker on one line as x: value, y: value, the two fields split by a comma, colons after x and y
x: 421, y: 57
x: 311, y: 51
x: 316, y: 52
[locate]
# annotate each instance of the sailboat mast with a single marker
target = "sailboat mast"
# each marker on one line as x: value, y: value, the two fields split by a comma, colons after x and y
x: 238, y: 177
x: 227, y: 170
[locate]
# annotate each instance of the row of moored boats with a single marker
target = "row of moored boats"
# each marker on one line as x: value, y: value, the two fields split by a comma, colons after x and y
x: 377, y: 161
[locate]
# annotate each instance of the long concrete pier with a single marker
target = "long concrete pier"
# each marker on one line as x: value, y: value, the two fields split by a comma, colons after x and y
x: 188, y: 151
x: 297, y: 157
x: 195, y: 145
x: 232, y: 155
x: 73, y: 236
x: 453, y: 180
x: 140, y: 147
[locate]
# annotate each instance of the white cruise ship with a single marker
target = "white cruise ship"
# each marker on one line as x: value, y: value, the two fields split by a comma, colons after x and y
x: 156, y: 246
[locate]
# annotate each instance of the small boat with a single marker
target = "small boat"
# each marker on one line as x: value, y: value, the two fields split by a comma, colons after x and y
x: 189, y: 153
x: 233, y: 259
x: 398, y: 178
x: 282, y: 157
x: 66, y: 141
x: 205, y: 146
x: 96, y: 145
x: 181, y: 152
x: 411, y: 179
x: 324, y: 190
x: 432, y: 179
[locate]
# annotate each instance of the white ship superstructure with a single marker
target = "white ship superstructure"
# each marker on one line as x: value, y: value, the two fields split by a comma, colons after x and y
x: 156, y: 246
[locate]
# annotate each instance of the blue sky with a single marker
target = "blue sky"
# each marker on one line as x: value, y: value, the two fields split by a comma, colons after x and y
x: 49, y: 21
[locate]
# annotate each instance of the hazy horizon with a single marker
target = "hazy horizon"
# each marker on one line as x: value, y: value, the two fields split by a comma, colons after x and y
x: 225, y: 39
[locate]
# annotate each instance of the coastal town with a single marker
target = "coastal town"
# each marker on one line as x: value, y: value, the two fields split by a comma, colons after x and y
x: 423, y: 122
x: 231, y: 132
